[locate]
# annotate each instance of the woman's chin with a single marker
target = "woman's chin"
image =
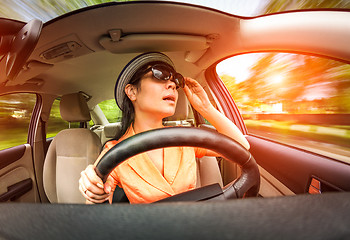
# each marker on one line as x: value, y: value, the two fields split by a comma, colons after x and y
x: 169, y: 113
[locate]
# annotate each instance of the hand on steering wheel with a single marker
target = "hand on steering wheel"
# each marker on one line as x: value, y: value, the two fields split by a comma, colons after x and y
x: 92, y: 187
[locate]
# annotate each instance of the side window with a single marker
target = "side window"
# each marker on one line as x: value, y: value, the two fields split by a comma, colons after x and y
x: 56, y: 123
x: 111, y: 110
x: 295, y: 99
x: 15, y: 114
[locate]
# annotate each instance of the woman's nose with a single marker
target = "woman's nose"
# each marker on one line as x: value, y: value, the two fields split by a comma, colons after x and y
x: 170, y: 84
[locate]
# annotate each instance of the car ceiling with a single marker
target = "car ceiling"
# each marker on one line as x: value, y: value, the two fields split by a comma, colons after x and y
x: 105, y: 37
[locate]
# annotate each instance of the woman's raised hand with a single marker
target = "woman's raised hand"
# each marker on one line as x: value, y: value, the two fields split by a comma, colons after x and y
x: 92, y: 187
x: 197, y: 96
x: 200, y: 101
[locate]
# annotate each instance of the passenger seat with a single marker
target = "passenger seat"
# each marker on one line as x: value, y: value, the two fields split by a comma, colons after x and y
x: 70, y: 152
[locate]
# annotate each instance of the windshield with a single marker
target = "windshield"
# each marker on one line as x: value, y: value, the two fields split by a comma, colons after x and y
x: 45, y: 10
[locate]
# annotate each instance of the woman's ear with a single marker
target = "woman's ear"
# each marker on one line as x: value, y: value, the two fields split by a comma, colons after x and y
x: 130, y: 91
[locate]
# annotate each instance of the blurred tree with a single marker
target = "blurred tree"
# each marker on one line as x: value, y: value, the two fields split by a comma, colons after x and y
x: 64, y: 6
x: 341, y: 75
x: 256, y: 86
x: 230, y: 83
x: 285, y: 5
x: 298, y: 75
x: 311, y: 71
x: 45, y: 10
x: 111, y: 110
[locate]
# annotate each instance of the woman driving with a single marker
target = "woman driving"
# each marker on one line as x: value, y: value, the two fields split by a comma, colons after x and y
x: 146, y: 92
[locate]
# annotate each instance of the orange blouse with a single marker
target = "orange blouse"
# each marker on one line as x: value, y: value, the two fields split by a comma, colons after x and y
x: 143, y: 182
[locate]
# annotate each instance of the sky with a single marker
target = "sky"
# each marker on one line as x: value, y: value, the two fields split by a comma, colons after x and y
x: 238, y: 66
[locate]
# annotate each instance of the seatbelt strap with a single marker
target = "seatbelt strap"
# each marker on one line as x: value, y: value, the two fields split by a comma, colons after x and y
x: 43, y: 135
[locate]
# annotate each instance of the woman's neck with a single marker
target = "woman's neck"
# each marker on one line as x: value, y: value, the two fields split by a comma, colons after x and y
x: 145, y: 124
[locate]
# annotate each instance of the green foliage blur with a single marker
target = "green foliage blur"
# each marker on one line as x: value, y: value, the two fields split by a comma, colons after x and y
x: 274, y: 6
x: 45, y: 10
x: 111, y: 110
x: 15, y: 113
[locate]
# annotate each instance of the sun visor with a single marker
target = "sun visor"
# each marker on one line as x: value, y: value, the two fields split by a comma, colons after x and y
x: 21, y: 48
x: 133, y: 43
x: 28, y: 73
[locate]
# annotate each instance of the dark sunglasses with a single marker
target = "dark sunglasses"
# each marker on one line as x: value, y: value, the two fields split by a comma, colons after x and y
x: 164, y: 73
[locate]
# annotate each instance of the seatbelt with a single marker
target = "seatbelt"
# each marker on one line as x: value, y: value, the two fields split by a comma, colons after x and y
x: 43, y: 135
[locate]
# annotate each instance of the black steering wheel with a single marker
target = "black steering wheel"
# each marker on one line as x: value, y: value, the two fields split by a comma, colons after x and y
x: 247, y: 185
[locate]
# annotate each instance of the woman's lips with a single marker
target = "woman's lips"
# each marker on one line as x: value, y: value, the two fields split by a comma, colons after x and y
x: 169, y: 97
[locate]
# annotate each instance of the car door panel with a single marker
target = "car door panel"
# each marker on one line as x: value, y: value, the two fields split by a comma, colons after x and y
x: 271, y: 186
x: 17, y: 180
x: 296, y: 168
x: 11, y: 155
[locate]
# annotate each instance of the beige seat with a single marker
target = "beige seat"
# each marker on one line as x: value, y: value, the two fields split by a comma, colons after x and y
x: 69, y: 153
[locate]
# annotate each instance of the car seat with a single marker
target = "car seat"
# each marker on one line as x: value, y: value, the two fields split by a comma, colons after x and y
x: 70, y: 152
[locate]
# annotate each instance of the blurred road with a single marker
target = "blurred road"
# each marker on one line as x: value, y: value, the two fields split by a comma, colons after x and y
x: 327, y: 149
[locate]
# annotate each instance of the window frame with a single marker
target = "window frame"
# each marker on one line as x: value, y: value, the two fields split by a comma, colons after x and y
x: 224, y: 99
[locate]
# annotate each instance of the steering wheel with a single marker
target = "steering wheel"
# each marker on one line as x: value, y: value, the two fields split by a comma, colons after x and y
x: 247, y: 185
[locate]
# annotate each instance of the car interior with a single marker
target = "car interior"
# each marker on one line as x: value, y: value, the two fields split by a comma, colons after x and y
x: 75, y: 148
x: 74, y: 60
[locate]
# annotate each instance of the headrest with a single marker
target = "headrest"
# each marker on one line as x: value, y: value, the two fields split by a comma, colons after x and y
x: 181, y: 111
x: 111, y: 129
x: 73, y: 108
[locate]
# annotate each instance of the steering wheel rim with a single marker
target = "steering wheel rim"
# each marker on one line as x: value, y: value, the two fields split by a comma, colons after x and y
x: 247, y: 185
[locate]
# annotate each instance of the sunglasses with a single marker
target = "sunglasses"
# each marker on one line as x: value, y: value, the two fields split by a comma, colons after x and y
x: 164, y: 73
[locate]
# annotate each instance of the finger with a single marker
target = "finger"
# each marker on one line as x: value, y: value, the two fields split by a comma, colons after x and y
x: 94, y: 198
x: 91, y: 174
x: 193, y: 87
x: 109, y: 184
x: 187, y: 90
x: 82, y: 187
x: 191, y: 82
x: 91, y: 185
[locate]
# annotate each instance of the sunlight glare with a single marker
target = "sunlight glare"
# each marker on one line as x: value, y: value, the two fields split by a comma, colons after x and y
x: 276, y: 79
x: 238, y: 66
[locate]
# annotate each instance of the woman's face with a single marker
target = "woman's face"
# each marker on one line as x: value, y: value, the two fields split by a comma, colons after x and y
x: 155, y: 97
